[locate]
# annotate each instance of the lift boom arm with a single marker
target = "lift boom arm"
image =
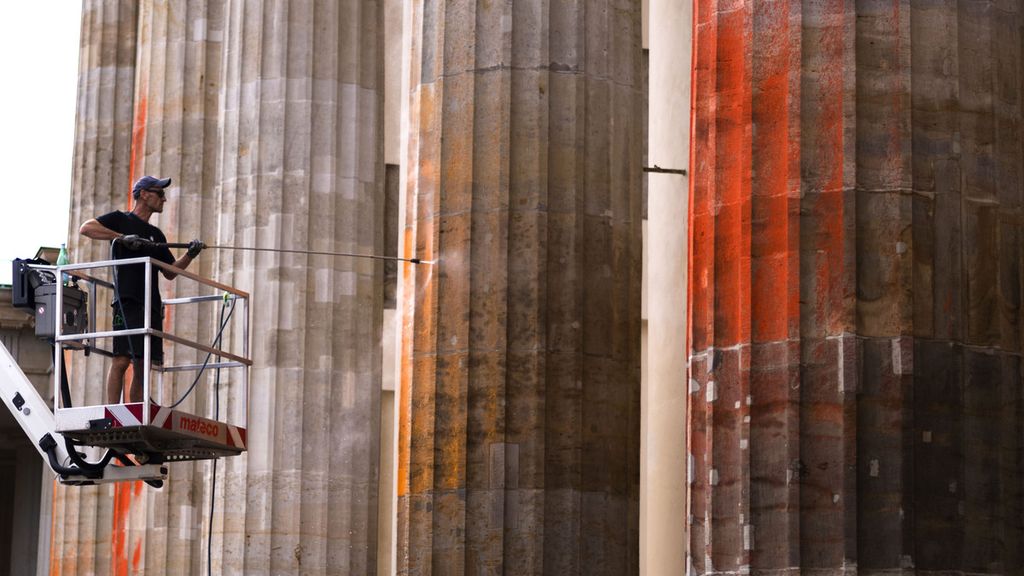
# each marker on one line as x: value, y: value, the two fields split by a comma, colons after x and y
x: 36, y: 420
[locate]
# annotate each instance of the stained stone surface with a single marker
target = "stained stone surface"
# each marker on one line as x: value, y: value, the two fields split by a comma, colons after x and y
x: 856, y: 288
x: 855, y: 283
x: 519, y: 448
x: 267, y: 115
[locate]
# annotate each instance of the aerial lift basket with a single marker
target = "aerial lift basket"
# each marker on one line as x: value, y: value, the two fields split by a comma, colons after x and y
x: 147, y: 433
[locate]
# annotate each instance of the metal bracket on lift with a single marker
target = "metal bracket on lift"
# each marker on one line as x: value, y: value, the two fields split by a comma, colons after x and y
x: 152, y: 474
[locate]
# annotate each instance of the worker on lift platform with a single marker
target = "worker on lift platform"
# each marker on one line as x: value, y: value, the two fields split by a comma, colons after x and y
x: 133, y: 236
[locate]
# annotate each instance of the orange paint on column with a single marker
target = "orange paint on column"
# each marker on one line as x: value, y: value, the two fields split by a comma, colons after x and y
x: 722, y: 214
x: 118, y: 533
x: 827, y: 152
x: 123, y: 491
x: 54, y: 559
x: 138, y: 140
x: 136, y: 556
x: 405, y: 366
x: 702, y: 265
x: 702, y: 227
x: 773, y: 260
x: 692, y: 137
x: 732, y: 178
x: 688, y: 338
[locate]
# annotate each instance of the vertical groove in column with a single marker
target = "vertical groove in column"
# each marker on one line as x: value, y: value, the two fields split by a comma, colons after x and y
x: 416, y: 432
x: 938, y: 310
x: 87, y: 526
x: 980, y: 221
x: 237, y: 268
x: 562, y: 395
x: 772, y: 529
x: 829, y: 347
x: 494, y: 434
x: 517, y: 456
x: 728, y: 389
x: 157, y: 35
x: 989, y: 45
x: 1008, y: 54
x: 884, y: 285
x: 703, y: 279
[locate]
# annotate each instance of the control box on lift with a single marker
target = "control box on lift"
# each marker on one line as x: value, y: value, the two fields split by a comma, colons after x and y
x: 37, y: 289
x: 74, y: 314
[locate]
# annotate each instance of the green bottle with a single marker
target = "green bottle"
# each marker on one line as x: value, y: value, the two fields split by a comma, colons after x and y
x: 63, y: 259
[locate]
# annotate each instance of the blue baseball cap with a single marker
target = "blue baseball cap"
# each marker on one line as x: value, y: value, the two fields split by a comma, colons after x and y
x: 148, y: 183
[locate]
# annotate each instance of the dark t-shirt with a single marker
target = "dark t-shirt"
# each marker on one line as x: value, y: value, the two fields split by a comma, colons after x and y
x: 131, y: 279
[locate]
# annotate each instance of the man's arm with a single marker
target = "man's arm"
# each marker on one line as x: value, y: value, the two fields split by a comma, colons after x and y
x: 182, y: 263
x: 93, y: 229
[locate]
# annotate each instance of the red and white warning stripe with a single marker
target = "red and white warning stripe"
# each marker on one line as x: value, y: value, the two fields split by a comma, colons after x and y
x: 122, y: 415
x: 237, y: 436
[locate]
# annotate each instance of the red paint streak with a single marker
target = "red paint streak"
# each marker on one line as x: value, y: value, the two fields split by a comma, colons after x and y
x: 405, y: 375
x: 688, y: 338
x: 702, y: 211
x: 827, y: 157
x: 775, y: 291
x: 138, y: 140
x: 54, y: 559
x: 775, y: 279
x: 136, y: 556
x: 702, y: 264
x: 732, y: 179
x: 406, y: 367
x: 122, y: 506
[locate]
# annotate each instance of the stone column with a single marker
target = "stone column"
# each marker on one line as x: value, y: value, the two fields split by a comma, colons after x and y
x: 519, y: 449
x: 83, y: 535
x: 856, y: 287
x: 301, y: 167
x: 267, y: 115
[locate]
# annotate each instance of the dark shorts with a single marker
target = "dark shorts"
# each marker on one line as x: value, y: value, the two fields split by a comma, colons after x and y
x: 134, y: 346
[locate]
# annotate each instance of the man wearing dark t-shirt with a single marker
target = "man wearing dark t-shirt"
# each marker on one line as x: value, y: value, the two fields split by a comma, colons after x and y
x: 133, y: 236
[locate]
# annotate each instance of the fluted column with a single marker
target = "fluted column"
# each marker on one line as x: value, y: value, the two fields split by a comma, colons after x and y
x: 519, y: 448
x: 301, y: 168
x: 267, y: 116
x: 84, y: 537
x: 856, y: 288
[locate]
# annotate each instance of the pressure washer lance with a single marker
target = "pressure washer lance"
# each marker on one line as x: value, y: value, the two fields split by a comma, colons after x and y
x: 311, y: 252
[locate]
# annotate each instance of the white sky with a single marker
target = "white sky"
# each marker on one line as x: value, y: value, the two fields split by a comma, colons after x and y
x: 39, y: 67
